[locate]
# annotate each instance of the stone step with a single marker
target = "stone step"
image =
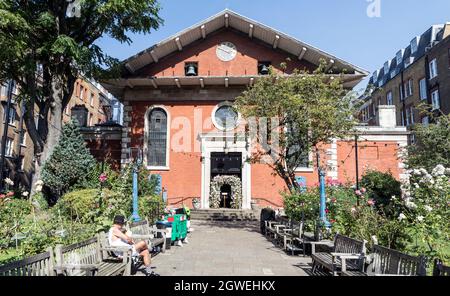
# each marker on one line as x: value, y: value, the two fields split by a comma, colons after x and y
x: 224, y: 215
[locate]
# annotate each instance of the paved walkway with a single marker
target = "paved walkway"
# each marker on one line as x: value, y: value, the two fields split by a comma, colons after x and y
x: 229, y: 249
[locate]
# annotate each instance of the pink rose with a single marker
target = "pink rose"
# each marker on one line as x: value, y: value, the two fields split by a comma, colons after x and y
x: 2, y: 196
x: 371, y: 202
x: 103, y: 177
x: 363, y: 190
x: 358, y: 192
x: 10, y: 193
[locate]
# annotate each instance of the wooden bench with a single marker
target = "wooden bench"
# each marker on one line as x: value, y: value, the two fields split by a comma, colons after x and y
x: 293, y: 237
x: 91, y: 257
x: 39, y: 265
x: 347, y: 254
x: 273, y: 227
x: 440, y: 269
x: 388, y: 262
x: 143, y: 231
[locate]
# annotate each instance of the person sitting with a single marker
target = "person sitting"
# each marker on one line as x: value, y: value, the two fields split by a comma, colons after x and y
x: 119, y: 237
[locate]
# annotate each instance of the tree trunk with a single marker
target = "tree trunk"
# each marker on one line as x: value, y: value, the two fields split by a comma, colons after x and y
x: 54, y: 128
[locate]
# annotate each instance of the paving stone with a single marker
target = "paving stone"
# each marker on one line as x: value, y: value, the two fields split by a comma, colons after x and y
x: 228, y: 249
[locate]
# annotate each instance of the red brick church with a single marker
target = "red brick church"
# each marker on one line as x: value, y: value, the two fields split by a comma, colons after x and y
x: 177, y: 96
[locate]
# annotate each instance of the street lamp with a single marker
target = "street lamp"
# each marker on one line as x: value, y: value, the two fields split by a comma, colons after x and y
x: 137, y: 162
x: 323, y: 197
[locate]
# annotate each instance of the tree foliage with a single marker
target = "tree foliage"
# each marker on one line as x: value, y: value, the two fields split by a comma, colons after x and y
x: 432, y: 145
x: 70, y: 162
x: 45, y: 51
x: 303, y: 110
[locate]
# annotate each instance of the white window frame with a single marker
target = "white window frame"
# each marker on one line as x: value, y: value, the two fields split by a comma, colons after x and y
x: 433, y: 69
x: 12, y: 116
x: 410, y: 87
x: 24, y: 139
x: 9, y: 147
x: 408, y: 114
x: 426, y: 120
x: 423, y: 89
x: 411, y: 114
x: 91, y: 99
x: 389, y: 98
x: 435, y: 99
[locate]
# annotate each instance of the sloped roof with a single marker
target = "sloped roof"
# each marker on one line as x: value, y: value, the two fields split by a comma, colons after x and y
x: 254, y: 29
x: 425, y: 41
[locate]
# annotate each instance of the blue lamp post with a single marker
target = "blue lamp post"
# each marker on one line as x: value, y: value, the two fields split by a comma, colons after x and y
x: 323, y: 196
x: 137, y: 162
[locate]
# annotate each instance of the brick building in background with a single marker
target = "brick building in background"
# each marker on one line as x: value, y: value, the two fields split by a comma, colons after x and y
x: 100, y: 107
x: 418, y: 74
x: 188, y: 82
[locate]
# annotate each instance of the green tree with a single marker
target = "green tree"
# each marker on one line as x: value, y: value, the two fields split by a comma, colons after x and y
x: 303, y: 110
x: 432, y: 145
x: 69, y: 163
x: 45, y: 49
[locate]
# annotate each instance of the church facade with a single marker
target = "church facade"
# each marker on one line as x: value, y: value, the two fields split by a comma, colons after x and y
x: 178, y: 96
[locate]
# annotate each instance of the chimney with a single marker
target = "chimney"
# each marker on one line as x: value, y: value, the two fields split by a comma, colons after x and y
x: 387, y: 116
x: 446, y: 30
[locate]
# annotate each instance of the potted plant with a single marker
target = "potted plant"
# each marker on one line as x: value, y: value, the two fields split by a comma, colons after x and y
x: 196, y: 203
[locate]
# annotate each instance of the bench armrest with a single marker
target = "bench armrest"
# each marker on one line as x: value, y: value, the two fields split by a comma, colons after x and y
x: 347, y: 255
x: 344, y: 257
x: 314, y: 244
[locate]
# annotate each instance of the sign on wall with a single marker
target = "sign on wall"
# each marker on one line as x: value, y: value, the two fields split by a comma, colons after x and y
x: 301, y: 181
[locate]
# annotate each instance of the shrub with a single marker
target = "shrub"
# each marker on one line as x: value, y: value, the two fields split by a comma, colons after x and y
x: 13, y: 214
x: 381, y: 187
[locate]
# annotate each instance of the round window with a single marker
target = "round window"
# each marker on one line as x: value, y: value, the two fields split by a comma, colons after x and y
x: 226, y: 118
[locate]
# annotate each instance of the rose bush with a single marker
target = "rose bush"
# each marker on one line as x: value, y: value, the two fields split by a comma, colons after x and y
x: 426, y: 211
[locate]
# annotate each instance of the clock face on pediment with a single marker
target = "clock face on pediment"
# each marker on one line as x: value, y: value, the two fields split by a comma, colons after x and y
x: 226, y: 51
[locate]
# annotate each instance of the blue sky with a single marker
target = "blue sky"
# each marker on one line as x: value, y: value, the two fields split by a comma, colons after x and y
x: 340, y: 27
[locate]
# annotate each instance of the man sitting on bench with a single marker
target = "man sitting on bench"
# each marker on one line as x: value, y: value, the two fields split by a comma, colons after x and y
x: 119, y: 237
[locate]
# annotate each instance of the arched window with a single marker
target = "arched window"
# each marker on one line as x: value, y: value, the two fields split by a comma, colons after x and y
x: 157, y: 138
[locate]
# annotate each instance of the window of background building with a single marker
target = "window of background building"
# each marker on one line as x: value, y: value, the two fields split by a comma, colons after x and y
x: 408, y: 116
x: 23, y: 139
x: 389, y: 99
x: 435, y: 100
x: 409, y: 89
x: 91, y: 98
x: 411, y: 114
x: 9, y: 147
x: 423, y: 89
x: 433, y: 69
x: 425, y: 120
x: 12, y: 115
x: 82, y: 93
x: 400, y: 90
x: 90, y: 119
